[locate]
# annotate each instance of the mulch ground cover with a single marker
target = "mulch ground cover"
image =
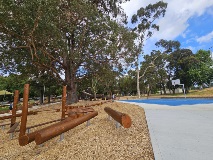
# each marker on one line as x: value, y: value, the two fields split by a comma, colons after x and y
x: 101, y: 140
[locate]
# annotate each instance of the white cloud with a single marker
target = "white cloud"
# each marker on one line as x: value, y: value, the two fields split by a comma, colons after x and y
x: 210, y: 11
x: 206, y: 38
x: 132, y: 6
x: 193, y: 49
x: 177, y: 14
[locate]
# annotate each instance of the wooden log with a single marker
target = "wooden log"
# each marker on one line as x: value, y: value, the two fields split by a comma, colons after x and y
x: 61, y: 127
x: 41, y: 124
x: 121, y: 118
x: 57, y: 110
x: 72, y: 115
x: 73, y: 110
x: 24, y: 110
x: 18, y: 115
x: 81, y: 110
x: 15, y: 102
x: 30, y: 137
x: 4, y: 124
x: 13, y: 128
x: 80, y: 114
x: 88, y: 109
x: 27, y: 138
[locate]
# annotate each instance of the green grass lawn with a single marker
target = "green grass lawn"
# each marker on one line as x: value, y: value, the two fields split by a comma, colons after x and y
x: 4, y: 108
x: 207, y: 92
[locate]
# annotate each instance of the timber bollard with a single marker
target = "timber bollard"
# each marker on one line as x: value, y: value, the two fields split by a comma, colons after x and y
x: 52, y: 131
x: 121, y: 118
x: 24, y: 110
x: 15, y: 102
x: 27, y: 138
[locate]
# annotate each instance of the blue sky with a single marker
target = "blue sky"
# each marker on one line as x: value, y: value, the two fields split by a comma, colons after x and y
x: 188, y: 21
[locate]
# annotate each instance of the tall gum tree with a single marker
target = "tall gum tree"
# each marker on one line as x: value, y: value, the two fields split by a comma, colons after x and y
x: 168, y: 47
x: 144, y: 21
x: 62, y: 37
x: 153, y: 70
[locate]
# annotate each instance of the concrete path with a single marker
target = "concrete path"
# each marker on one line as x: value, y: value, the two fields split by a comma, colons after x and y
x: 180, y: 132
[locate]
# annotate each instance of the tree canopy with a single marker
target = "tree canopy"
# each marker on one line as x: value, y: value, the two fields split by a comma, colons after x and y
x: 144, y: 27
x: 63, y: 38
x: 83, y: 43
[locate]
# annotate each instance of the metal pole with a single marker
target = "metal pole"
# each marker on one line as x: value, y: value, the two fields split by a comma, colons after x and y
x: 117, y: 124
x: 11, y: 135
x: 109, y: 117
x: 88, y: 123
x: 61, y: 137
x: 184, y: 91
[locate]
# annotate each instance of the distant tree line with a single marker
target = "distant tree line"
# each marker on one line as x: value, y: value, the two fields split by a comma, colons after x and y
x: 161, y: 67
x: 158, y: 70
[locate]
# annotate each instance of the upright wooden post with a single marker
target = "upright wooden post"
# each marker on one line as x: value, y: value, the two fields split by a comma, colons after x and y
x: 64, y: 95
x: 15, y: 102
x: 24, y: 111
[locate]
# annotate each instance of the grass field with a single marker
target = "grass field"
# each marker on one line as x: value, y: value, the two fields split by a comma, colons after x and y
x: 204, y: 93
x: 207, y: 92
x: 4, y: 108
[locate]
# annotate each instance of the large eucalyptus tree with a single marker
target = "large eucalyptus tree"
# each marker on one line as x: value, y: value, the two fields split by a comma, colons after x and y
x: 180, y: 62
x: 62, y: 37
x: 145, y: 25
x: 201, y: 71
x: 153, y: 70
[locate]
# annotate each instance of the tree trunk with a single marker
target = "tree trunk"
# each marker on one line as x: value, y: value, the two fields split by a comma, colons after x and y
x: 70, y: 72
x: 41, y: 96
x: 70, y: 81
x: 164, y: 89
x: 95, y: 96
x: 148, y: 90
x: 186, y: 90
x: 138, y: 84
x: 49, y: 94
x: 173, y: 90
x: 72, y: 92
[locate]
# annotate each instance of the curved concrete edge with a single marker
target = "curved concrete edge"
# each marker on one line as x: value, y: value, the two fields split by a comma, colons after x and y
x: 181, y: 132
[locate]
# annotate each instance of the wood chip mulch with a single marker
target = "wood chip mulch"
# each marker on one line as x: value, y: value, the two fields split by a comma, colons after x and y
x: 99, y: 141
